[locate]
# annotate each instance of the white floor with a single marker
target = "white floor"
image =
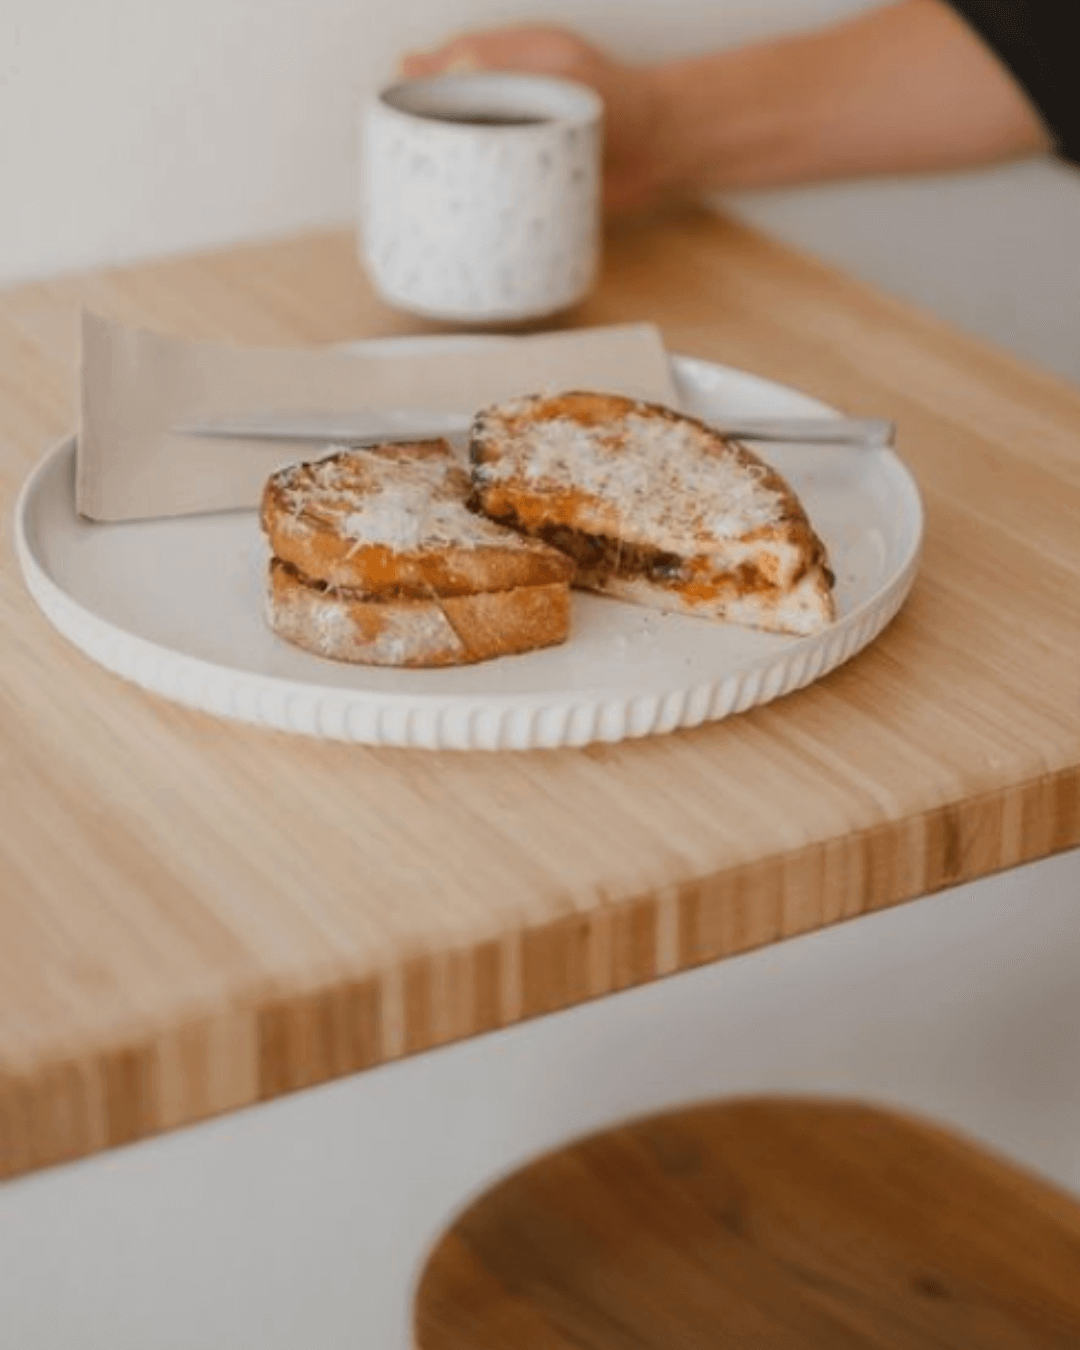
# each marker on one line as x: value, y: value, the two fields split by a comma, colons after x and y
x: 301, y: 1223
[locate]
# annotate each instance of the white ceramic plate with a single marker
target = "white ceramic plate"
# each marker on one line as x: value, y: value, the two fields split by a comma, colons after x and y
x: 176, y: 606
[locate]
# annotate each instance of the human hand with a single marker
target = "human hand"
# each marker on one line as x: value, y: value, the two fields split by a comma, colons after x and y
x: 634, y: 104
x: 908, y: 87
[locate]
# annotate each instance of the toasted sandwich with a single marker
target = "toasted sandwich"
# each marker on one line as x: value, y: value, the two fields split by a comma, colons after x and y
x: 378, y: 559
x: 654, y: 507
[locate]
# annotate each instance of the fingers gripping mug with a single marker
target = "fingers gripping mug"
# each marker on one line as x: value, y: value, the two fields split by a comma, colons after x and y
x: 480, y: 195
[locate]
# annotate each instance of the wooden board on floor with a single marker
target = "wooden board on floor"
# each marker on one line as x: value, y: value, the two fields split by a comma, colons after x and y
x: 786, y: 1224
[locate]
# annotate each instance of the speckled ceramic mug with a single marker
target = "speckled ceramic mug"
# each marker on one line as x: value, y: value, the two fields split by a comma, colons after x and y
x: 480, y: 196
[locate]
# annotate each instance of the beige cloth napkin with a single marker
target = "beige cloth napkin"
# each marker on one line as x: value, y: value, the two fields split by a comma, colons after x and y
x: 136, y: 387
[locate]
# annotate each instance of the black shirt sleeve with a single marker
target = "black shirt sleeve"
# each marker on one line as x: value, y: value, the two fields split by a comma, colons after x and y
x: 1035, y: 39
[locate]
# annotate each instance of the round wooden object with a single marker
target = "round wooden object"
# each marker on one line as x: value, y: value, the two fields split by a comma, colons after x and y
x: 769, y: 1224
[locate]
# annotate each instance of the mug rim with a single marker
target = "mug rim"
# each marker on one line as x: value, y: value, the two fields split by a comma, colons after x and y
x: 587, y: 112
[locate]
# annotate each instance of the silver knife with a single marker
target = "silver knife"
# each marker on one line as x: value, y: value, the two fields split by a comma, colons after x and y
x: 870, y: 433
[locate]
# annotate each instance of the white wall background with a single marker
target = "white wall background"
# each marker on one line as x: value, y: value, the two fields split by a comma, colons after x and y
x: 131, y: 129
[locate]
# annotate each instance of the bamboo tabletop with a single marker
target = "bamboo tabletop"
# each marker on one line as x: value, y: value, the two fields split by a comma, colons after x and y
x: 196, y: 915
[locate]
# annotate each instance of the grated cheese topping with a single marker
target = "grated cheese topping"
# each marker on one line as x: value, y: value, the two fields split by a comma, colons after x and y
x: 406, y: 498
x: 670, y: 481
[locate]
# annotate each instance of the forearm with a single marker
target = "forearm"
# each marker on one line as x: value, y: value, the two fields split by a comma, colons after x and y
x: 904, y: 89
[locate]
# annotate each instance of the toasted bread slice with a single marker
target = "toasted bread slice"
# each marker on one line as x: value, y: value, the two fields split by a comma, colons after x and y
x: 655, y: 507
x: 393, y: 521
x: 450, y: 630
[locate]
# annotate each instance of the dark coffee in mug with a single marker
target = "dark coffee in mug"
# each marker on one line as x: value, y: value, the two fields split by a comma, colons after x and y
x: 488, y: 119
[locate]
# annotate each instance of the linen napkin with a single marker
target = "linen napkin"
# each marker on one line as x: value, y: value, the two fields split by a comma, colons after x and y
x: 138, y: 387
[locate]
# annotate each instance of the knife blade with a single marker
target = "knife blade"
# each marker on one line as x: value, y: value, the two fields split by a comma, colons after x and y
x: 865, y: 432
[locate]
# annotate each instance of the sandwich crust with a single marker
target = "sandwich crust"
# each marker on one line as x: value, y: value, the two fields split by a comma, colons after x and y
x: 451, y: 630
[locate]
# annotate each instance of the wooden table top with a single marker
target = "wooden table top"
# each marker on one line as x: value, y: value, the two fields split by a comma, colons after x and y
x: 197, y: 915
